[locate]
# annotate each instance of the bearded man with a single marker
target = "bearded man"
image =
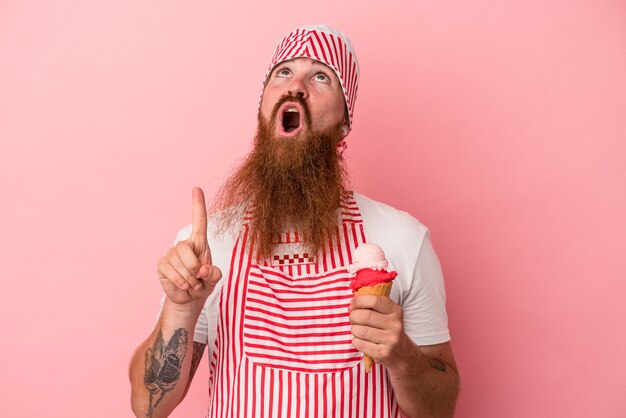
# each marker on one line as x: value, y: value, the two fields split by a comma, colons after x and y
x: 270, y: 297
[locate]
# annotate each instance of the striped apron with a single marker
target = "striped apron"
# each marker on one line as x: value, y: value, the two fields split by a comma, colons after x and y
x: 283, y: 346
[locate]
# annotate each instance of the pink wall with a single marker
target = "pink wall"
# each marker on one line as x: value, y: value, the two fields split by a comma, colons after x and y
x: 504, y: 130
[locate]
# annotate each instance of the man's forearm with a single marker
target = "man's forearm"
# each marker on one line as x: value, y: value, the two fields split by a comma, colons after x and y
x: 424, y: 386
x: 160, y: 368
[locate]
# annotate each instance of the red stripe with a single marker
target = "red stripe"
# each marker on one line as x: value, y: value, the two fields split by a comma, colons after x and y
x: 297, y: 378
x: 254, y: 380
x: 317, y: 395
x: 343, y: 360
x: 301, y: 49
x: 331, y: 254
x: 295, y: 42
x: 278, y: 274
x: 296, y: 318
x: 224, y: 319
x: 355, y: 238
x: 303, y: 335
x: 343, y: 66
x: 288, y: 291
x: 340, y: 246
x: 290, y: 393
x: 349, y: 207
x: 262, y: 389
x: 297, y: 326
x: 234, y: 400
x: 366, y: 392
x: 359, y: 394
x: 298, y: 300
x: 280, y: 394
x: 353, y: 75
x: 297, y: 284
x: 357, y: 371
x: 333, y: 395
x: 306, y: 52
x: 306, y: 399
x: 321, y: 47
x: 303, y: 344
x: 346, y: 237
x: 294, y: 308
x: 382, y: 388
x: 324, y: 392
x: 373, y: 398
x: 329, y: 49
x: 348, y: 75
x: 334, y: 40
x: 311, y: 45
x: 236, y: 300
x: 301, y: 353
x: 342, y: 400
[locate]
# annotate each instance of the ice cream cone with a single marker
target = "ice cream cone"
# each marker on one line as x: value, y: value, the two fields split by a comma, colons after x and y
x: 382, y: 289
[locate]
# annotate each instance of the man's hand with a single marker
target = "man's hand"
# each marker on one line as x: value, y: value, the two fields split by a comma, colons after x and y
x: 377, y: 328
x: 186, y: 272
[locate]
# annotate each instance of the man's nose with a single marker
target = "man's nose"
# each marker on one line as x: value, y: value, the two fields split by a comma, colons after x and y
x: 298, y: 88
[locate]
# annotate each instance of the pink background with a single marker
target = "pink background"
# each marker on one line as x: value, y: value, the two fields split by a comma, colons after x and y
x: 500, y: 125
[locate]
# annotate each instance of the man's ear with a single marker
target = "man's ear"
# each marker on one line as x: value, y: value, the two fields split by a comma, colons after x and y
x: 345, y: 129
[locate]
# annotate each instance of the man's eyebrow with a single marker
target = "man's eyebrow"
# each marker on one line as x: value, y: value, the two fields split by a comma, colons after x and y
x: 281, y: 66
x: 322, y: 65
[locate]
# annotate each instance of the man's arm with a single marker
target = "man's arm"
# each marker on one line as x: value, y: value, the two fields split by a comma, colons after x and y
x: 425, y: 379
x: 163, y: 367
x: 198, y: 352
x: 426, y: 382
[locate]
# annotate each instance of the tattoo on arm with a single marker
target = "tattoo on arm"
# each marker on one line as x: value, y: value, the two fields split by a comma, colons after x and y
x: 163, y: 364
x: 437, y: 364
x: 198, y: 351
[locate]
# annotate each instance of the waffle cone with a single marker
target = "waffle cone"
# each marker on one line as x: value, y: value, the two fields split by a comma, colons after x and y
x: 382, y: 289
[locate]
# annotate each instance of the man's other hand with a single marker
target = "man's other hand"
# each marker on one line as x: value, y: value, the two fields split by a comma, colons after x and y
x: 186, y: 271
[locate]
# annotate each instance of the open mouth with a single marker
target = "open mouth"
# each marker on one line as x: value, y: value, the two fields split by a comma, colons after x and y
x: 290, y: 119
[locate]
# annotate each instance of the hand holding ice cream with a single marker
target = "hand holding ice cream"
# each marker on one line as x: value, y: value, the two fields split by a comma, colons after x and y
x: 371, y: 277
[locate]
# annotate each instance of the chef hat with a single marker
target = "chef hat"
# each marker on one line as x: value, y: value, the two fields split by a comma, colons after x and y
x: 328, y: 46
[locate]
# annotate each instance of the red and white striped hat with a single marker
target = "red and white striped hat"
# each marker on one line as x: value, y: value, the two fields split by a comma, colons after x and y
x: 328, y: 46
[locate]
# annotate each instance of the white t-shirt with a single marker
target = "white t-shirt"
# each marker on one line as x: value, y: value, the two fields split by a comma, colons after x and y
x: 418, y: 288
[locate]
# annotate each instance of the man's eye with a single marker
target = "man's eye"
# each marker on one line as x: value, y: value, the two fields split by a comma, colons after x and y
x: 283, y: 72
x: 322, y: 77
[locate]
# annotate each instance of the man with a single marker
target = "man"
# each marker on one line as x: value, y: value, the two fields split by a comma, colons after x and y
x: 271, y: 297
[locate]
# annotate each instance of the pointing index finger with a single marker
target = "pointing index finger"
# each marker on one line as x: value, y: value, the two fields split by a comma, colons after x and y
x: 198, y: 214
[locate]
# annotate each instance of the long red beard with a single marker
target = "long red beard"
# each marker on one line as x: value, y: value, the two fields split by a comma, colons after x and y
x: 290, y: 184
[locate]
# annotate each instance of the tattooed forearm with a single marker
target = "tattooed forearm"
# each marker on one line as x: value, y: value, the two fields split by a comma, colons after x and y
x: 198, y: 351
x: 163, y: 364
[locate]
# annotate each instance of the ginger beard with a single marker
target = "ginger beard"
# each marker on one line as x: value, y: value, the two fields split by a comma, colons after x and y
x: 288, y: 184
